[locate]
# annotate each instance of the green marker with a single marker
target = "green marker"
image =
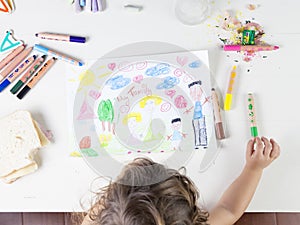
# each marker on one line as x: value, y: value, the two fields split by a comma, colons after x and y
x: 252, y: 115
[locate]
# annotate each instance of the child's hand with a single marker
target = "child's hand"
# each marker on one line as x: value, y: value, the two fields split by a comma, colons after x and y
x: 261, y: 153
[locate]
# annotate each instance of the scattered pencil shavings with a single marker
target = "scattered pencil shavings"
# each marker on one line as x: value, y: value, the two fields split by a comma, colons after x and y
x: 235, y: 32
x: 252, y: 7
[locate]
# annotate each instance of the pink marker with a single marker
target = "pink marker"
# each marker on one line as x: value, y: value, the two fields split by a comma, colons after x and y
x: 254, y: 48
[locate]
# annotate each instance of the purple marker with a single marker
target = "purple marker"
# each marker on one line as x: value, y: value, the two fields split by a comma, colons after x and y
x: 94, y: 6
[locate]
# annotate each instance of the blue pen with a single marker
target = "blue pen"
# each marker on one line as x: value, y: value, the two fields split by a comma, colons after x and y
x: 57, y: 55
x: 17, y: 72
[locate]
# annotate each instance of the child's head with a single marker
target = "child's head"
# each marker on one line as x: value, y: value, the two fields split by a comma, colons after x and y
x: 148, y: 193
x: 176, y: 123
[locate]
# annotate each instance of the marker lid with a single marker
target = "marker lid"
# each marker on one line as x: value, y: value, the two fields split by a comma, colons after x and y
x: 23, y: 92
x: 254, y: 132
x: 77, y: 39
x: 4, y: 84
x: 17, y: 87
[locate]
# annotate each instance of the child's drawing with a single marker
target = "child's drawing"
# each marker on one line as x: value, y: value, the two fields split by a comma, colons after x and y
x: 106, y: 115
x: 132, y: 120
x: 177, y: 135
x: 148, y: 104
x: 142, y: 105
x: 199, y: 124
x: 85, y: 148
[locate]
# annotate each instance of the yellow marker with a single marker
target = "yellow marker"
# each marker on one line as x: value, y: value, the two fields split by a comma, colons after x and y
x: 228, y: 97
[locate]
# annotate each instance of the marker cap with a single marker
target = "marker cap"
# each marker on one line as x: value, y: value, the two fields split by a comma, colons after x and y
x: 77, y: 39
x: 254, y: 132
x: 41, y: 48
x: 23, y: 92
x: 17, y: 87
x: 4, y: 84
x: 227, y: 103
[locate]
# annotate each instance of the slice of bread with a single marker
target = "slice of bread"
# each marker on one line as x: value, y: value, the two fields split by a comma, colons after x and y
x: 20, y: 139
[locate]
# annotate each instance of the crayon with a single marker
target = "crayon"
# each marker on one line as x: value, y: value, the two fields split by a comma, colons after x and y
x: 228, y: 97
x: 35, y: 79
x: 61, y: 37
x: 17, y: 72
x: 11, y: 56
x: 254, y: 48
x: 252, y: 115
x: 217, y: 115
x: 57, y: 55
x: 23, y: 80
x: 17, y: 60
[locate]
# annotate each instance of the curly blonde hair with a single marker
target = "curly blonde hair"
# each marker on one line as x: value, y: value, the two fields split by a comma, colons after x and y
x: 148, y: 193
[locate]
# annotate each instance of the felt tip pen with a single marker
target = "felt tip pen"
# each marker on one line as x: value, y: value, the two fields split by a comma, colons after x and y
x: 61, y: 37
x: 36, y: 78
x: 17, y: 72
x: 217, y: 115
x: 228, y: 96
x: 23, y: 80
x: 252, y: 115
x: 254, y: 48
x: 57, y: 55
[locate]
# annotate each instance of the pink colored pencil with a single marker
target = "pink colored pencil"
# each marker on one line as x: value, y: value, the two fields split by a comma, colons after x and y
x: 254, y: 48
x: 11, y: 56
x: 15, y: 63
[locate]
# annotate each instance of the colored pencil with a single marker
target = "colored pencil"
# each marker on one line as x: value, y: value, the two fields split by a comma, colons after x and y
x: 35, y: 79
x: 11, y: 56
x: 217, y: 115
x: 57, y: 55
x: 23, y: 80
x: 17, y: 72
x: 17, y: 60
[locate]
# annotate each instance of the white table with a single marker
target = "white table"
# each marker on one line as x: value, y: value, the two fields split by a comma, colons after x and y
x: 274, y: 81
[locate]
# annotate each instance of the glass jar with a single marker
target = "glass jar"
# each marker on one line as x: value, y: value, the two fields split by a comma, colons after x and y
x: 192, y: 12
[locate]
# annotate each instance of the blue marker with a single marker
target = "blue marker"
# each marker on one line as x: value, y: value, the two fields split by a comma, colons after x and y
x: 17, y: 72
x: 57, y: 55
